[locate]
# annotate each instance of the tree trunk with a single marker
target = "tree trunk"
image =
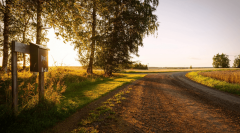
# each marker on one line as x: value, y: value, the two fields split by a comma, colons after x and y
x: 24, y: 38
x: 39, y: 25
x: 24, y: 56
x: 39, y: 21
x: 89, y: 69
x: 109, y: 64
x: 6, y: 36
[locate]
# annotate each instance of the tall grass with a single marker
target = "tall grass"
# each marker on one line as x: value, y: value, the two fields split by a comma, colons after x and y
x: 66, y: 91
x: 28, y: 84
x: 231, y: 76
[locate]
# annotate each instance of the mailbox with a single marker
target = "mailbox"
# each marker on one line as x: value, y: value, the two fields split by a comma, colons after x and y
x: 38, y: 58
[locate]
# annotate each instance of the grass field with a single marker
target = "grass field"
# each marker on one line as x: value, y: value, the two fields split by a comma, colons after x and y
x: 213, y: 81
x: 66, y: 91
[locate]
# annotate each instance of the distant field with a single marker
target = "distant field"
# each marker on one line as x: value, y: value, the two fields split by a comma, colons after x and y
x: 151, y: 69
x: 222, y: 79
x: 163, y: 70
x: 230, y: 76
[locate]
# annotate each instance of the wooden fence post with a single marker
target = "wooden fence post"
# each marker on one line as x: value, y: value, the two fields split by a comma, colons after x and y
x: 41, y: 86
x: 14, y: 80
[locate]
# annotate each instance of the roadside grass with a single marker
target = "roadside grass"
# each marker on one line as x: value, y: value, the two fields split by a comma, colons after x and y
x: 66, y: 91
x: 214, y: 83
x: 100, y: 114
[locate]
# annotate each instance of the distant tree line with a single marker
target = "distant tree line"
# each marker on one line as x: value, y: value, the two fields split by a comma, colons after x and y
x: 222, y: 61
x: 130, y: 65
x: 104, y: 32
x: 137, y: 66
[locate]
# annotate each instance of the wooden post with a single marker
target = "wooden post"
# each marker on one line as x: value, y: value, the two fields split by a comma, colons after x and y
x: 14, y: 80
x: 41, y: 86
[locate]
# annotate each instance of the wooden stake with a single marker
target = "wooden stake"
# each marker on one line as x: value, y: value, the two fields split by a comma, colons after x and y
x: 41, y: 86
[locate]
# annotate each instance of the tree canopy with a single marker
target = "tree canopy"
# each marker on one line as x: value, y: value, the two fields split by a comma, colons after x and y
x: 221, y: 61
x: 105, y: 32
x: 19, y: 18
x: 236, y: 62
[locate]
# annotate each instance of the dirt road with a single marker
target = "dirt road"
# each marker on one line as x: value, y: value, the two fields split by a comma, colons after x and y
x: 168, y: 102
x: 172, y: 103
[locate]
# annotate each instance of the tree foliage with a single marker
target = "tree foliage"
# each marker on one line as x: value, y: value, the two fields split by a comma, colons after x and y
x: 20, y: 24
x: 221, y: 61
x: 126, y: 23
x: 105, y: 32
x: 138, y: 66
x: 236, y: 62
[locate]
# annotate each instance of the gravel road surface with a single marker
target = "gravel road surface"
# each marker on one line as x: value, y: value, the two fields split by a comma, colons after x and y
x: 169, y: 102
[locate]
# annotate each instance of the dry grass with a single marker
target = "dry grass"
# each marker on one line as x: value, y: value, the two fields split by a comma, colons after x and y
x: 230, y: 76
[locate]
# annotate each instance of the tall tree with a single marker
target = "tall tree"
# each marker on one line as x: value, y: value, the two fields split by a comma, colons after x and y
x: 26, y: 24
x: 76, y: 21
x: 128, y: 22
x: 6, y: 22
x: 21, y: 20
x: 221, y: 60
x: 236, y: 62
x: 90, y: 66
x: 39, y: 21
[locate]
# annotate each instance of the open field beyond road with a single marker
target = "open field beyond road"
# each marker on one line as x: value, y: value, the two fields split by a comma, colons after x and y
x: 224, y: 80
x: 170, y: 70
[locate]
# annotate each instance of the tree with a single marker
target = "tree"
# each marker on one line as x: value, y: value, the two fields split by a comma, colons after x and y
x: 21, y: 25
x: 6, y: 8
x: 89, y: 69
x: 126, y: 23
x: 24, y: 25
x: 236, y: 62
x: 78, y: 22
x: 221, y: 61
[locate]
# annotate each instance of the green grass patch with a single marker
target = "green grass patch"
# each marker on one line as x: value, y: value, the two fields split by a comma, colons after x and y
x: 66, y: 91
x: 214, y: 83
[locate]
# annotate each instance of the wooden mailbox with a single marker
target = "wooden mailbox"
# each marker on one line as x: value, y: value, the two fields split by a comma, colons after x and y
x: 38, y: 63
x: 38, y: 58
